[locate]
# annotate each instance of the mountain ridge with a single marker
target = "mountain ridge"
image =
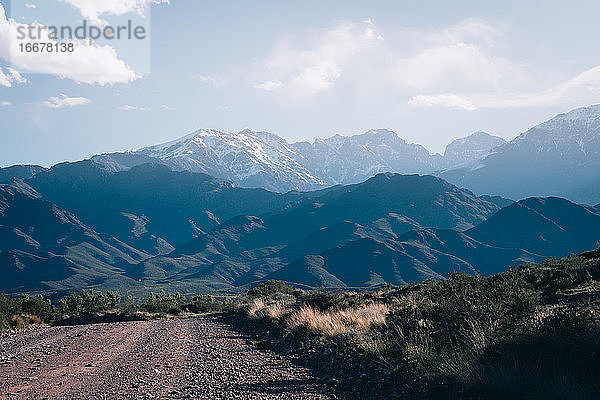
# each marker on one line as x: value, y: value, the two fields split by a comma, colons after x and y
x: 262, y: 159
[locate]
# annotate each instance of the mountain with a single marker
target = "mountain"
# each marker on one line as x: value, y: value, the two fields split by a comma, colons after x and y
x: 560, y: 157
x: 251, y: 159
x: 346, y: 160
x: 367, y: 263
x: 44, y: 247
x: 149, y: 206
x: 19, y: 172
x: 530, y: 230
x: 248, y: 248
x: 261, y: 159
x: 149, y: 226
x: 419, y: 254
x: 548, y: 226
x: 472, y: 148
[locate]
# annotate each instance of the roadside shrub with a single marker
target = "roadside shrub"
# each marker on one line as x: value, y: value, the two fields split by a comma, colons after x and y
x: 128, y: 306
x: 163, y: 303
x: 336, y: 322
x: 24, y: 310
x: 323, y: 299
x: 207, y: 304
x: 88, y: 301
x: 268, y: 288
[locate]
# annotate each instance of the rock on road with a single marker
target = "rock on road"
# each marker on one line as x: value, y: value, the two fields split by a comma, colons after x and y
x: 168, y: 359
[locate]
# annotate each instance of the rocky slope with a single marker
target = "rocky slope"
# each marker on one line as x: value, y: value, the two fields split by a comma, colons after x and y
x: 43, y: 246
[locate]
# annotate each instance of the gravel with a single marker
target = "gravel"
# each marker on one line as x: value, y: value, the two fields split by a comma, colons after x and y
x: 168, y: 359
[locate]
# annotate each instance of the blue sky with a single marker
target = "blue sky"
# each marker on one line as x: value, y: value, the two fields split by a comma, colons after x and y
x: 431, y: 71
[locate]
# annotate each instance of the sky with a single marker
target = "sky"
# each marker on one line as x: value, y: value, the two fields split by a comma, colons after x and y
x: 432, y: 71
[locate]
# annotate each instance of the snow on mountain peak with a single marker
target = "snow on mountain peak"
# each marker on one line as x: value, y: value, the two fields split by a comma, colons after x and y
x: 471, y: 148
x: 262, y: 159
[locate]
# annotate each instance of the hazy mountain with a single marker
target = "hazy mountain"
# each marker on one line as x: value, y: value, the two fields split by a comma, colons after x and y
x: 43, y: 246
x: 560, y: 157
x: 354, y: 159
x: 19, y: 172
x: 548, y: 226
x: 472, y: 148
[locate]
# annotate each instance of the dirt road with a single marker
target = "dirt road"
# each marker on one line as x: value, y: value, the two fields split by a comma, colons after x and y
x: 186, y: 359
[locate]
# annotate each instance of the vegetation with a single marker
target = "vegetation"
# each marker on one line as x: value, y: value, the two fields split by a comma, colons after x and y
x: 532, y: 332
x: 23, y: 311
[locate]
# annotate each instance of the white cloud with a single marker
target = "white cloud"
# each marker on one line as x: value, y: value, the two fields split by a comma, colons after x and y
x: 29, y: 5
x: 454, y: 65
x: 455, y: 57
x: 167, y: 107
x: 63, y: 101
x: 128, y: 107
x: 581, y: 89
x: 445, y: 100
x: 5, y: 103
x: 10, y: 76
x: 93, y: 9
x: 462, y: 66
x: 91, y: 64
x: 302, y: 72
x: 269, y: 86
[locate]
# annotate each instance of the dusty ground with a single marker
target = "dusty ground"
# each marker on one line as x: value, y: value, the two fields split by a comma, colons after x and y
x: 186, y: 359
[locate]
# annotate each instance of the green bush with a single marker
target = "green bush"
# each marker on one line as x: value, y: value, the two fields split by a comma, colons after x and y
x: 268, y: 288
x: 26, y: 309
x: 128, y: 306
x: 531, y: 332
x: 163, y: 303
x: 88, y: 301
x: 207, y: 304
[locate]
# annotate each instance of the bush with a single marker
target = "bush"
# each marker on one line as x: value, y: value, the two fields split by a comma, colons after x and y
x: 88, y: 301
x: 269, y: 288
x: 207, y: 304
x: 24, y: 310
x: 531, y: 332
x: 163, y: 303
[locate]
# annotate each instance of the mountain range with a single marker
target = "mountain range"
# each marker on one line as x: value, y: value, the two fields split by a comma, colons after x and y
x: 79, y: 225
x: 43, y: 246
x: 560, y: 157
x: 262, y: 159
x: 216, y: 211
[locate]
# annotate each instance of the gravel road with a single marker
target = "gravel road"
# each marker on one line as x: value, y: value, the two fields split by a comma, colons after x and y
x: 175, y: 359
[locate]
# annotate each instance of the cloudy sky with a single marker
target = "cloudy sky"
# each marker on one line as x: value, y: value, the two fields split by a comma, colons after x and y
x: 431, y: 71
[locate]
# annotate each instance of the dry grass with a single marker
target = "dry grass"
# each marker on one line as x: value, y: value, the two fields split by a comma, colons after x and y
x: 335, y: 322
x: 259, y: 309
x: 24, y: 321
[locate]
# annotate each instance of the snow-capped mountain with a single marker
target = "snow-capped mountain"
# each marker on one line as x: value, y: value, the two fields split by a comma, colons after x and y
x: 560, y: 157
x: 472, y: 148
x: 248, y: 158
x: 354, y: 159
x: 262, y: 159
